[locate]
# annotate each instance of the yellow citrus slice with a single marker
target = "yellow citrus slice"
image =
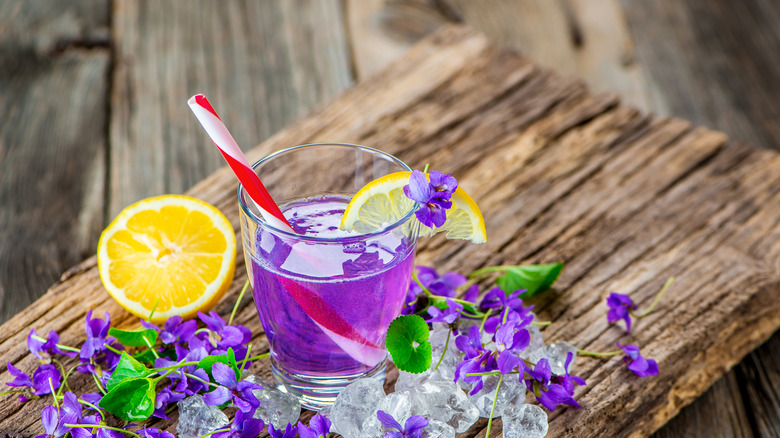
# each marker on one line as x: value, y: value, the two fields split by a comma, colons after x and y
x: 171, y: 253
x: 383, y: 202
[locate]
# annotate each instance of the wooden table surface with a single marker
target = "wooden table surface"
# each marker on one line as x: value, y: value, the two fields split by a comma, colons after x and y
x: 92, y: 96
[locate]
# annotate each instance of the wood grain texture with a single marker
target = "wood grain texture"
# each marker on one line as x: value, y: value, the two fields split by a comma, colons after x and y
x: 54, y: 63
x: 262, y: 64
x: 625, y: 199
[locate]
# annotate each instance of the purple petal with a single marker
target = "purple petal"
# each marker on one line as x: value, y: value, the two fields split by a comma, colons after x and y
x: 149, y: 325
x: 438, y: 214
x: 224, y: 375
x: 472, y: 294
x: 631, y: 351
x: 388, y: 421
x: 414, y: 423
x: 217, y: 396
x: 231, y: 337
x: 320, y: 424
x: 507, y: 361
x: 418, y: 188
x: 46, y: 378
x: 20, y: 377
x: 34, y: 345
x: 71, y: 405
x: 49, y: 419
x: 213, y: 321
x: 424, y: 215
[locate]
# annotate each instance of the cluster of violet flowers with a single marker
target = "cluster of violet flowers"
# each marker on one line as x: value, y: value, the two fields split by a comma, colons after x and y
x: 506, y: 320
x: 173, y: 362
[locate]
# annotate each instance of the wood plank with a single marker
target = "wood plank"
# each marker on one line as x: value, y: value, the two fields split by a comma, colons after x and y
x: 262, y: 64
x: 626, y: 200
x: 54, y: 62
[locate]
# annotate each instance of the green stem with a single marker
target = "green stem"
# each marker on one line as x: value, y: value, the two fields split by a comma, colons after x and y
x: 97, y: 382
x: 112, y: 349
x: 205, y: 382
x: 425, y: 170
x: 154, y: 308
x: 597, y: 353
x: 13, y: 391
x: 100, y: 426
x: 541, y: 323
x: 484, y: 319
x: 60, y: 346
x: 446, y: 345
x: 238, y: 301
x: 491, y: 373
x: 151, y: 347
x: 419, y: 283
x: 86, y: 403
x: 488, y: 270
x: 493, y: 410
x: 174, y: 367
x: 243, y: 362
x: 656, y: 300
x: 167, y: 373
x: 259, y: 356
x: 227, y: 429
x: 54, y: 394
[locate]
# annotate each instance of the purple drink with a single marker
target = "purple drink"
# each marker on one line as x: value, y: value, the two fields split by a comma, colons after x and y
x: 326, y: 297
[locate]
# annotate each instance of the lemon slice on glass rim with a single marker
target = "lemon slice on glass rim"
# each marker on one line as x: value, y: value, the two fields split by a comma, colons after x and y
x: 382, y: 202
x: 171, y: 253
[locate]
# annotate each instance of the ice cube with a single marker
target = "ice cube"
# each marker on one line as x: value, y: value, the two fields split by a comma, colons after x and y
x: 556, y: 356
x: 512, y: 391
x: 399, y: 405
x: 354, y: 404
x: 536, y: 343
x: 372, y: 427
x: 276, y: 407
x: 447, y: 403
x: 196, y: 418
x: 524, y: 421
x: 437, y: 429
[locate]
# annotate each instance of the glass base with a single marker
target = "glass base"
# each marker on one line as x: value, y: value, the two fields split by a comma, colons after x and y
x: 316, y: 392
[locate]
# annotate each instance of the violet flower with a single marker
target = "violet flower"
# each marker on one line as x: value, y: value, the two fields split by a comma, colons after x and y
x: 443, y: 183
x: 567, y: 380
x: 221, y: 336
x: 54, y: 424
x: 549, y: 394
x: 620, y: 307
x: 46, y: 378
x: 433, y: 203
x: 448, y: 315
x: 413, y: 428
x: 470, y: 344
x: 97, y: 332
x: 177, y: 331
x: 44, y: 350
x: 289, y: 432
x: 243, y: 426
x: 641, y: 366
x: 319, y: 427
x: 239, y: 392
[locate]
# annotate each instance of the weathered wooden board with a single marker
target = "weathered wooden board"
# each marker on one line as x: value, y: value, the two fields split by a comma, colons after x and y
x: 54, y: 65
x: 262, y: 64
x: 625, y: 199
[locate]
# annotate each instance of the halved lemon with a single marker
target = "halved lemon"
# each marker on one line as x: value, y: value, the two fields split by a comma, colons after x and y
x: 171, y: 253
x: 382, y: 202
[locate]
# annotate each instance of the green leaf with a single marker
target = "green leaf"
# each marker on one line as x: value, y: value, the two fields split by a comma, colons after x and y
x: 134, y: 338
x: 533, y: 278
x: 127, y: 368
x: 229, y: 359
x: 131, y: 400
x: 407, y: 342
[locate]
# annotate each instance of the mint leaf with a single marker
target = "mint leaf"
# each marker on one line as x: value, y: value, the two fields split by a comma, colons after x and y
x: 134, y: 338
x: 131, y: 400
x: 533, y: 278
x: 407, y: 342
x: 128, y: 367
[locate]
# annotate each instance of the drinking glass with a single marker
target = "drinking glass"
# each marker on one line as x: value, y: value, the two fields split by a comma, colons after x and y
x: 325, y: 297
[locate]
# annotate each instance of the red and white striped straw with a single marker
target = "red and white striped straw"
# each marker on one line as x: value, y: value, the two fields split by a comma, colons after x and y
x: 237, y: 161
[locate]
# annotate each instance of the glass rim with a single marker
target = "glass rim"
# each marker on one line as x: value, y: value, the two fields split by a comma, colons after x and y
x: 341, y: 239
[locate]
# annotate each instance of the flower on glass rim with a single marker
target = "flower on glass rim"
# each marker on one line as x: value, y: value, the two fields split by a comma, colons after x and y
x: 620, y: 307
x: 289, y: 432
x: 239, y: 392
x: 641, y: 366
x: 244, y: 426
x: 44, y: 350
x: 413, y: 428
x: 448, y: 315
x: 443, y: 183
x: 319, y: 427
x: 433, y: 203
